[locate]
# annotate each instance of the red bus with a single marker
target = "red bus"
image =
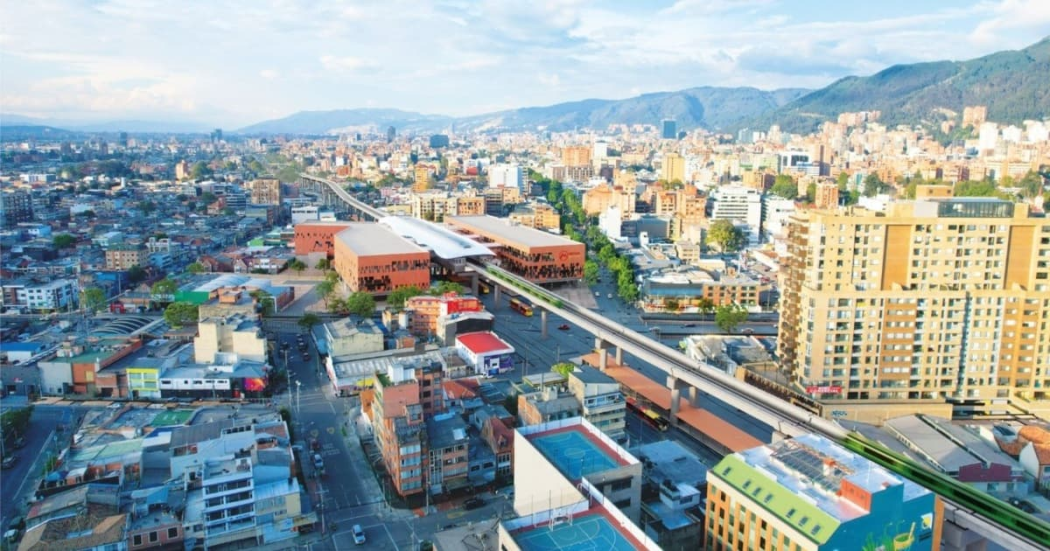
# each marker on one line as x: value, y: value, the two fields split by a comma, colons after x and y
x: 654, y: 419
x: 520, y: 307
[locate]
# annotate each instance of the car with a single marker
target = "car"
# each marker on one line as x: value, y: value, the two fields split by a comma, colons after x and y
x: 318, y: 463
x: 608, y: 295
x: 597, y: 293
x: 19, y: 443
x: 473, y: 503
x: 9, y: 462
x: 359, y: 534
x: 306, y: 356
x: 563, y: 327
x: 315, y: 445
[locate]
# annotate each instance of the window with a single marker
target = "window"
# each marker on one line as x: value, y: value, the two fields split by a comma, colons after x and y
x: 173, y: 532
x: 153, y: 537
x: 136, y: 540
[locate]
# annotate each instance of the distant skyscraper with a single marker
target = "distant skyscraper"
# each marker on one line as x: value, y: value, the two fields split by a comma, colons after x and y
x: 670, y: 129
x: 216, y: 135
x: 439, y: 140
x: 391, y: 133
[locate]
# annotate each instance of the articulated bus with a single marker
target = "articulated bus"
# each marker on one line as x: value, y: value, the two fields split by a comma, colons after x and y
x: 654, y: 419
x: 520, y: 307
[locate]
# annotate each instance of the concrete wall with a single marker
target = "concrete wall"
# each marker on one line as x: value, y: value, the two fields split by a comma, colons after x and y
x: 538, y: 485
x: 877, y: 413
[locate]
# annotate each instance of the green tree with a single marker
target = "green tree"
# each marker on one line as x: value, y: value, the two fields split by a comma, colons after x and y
x: 178, y: 314
x: 843, y: 181
x: 729, y: 316
x: 323, y: 264
x: 93, y: 299
x: 727, y: 237
x: 590, y: 272
x: 361, y: 304
x: 396, y: 299
x: 297, y: 265
x: 873, y: 185
x: 63, y: 241
x: 147, y: 207
x: 1031, y: 184
x: 444, y: 287
x: 136, y: 274
x: 166, y: 286
x: 671, y: 305
x: 200, y: 170
x: 811, y: 192
x: 563, y: 368
x: 308, y: 320
x: 195, y: 268
x: 785, y: 187
x: 15, y: 422
x: 208, y: 198
x: 264, y: 301
x: 326, y: 290
x: 705, y: 305
x: 970, y: 188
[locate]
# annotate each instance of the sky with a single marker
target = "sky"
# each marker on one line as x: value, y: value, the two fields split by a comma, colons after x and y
x: 232, y: 63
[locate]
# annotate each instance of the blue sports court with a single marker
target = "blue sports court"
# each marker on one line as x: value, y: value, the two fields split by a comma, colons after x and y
x: 589, y: 533
x: 574, y: 454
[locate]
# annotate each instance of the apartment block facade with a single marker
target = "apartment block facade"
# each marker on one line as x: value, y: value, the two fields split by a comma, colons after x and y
x: 945, y: 300
x: 123, y: 258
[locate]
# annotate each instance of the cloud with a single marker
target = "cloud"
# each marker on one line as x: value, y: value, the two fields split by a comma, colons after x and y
x: 269, y: 74
x: 346, y: 63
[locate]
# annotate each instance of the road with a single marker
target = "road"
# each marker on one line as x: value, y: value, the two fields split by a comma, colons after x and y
x: 348, y: 491
x: 42, y: 439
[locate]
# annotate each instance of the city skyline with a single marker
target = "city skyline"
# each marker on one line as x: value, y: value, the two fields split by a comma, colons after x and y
x: 236, y: 65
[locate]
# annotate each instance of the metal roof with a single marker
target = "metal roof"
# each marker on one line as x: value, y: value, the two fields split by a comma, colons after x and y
x: 441, y: 241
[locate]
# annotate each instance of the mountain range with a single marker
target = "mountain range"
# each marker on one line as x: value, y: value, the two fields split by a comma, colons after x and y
x: 1015, y: 85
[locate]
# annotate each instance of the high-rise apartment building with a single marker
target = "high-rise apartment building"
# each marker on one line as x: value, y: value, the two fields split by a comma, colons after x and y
x: 939, y: 300
x: 740, y: 205
x: 673, y: 168
x: 506, y: 175
x: 16, y: 207
x: 422, y: 179
x: 266, y: 191
x: 577, y: 155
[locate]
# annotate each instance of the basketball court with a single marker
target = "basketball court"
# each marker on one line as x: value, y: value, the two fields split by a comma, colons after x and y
x: 592, y: 532
x: 574, y: 454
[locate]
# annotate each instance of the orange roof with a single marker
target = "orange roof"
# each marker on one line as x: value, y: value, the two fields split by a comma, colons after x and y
x: 1042, y: 453
x: 1034, y: 434
x: 458, y: 390
x: 698, y: 418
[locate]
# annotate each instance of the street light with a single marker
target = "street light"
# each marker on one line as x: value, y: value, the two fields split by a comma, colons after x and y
x: 298, y: 394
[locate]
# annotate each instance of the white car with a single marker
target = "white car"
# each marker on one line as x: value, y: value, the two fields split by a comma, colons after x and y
x: 359, y: 534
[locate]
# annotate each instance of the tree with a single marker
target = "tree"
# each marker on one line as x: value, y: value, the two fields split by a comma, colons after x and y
x: 147, y: 207
x: 136, y: 274
x: 178, y: 314
x: 264, y: 301
x: 297, y: 265
x: 325, y: 290
x: 1031, y: 184
x: 843, y: 181
x: 444, y: 287
x: 590, y: 272
x: 166, y: 286
x: 873, y: 185
x: 63, y: 241
x: 361, y: 304
x: 563, y: 368
x: 195, y: 268
x: 729, y: 316
x: 93, y: 299
x: 785, y: 187
x: 811, y: 192
x: 323, y: 264
x: 396, y: 299
x: 15, y: 421
x: 308, y: 320
x: 208, y: 198
x: 671, y: 305
x: 200, y: 170
x: 705, y: 305
x: 727, y: 237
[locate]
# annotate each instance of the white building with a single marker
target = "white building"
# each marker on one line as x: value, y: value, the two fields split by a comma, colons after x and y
x: 507, y: 175
x: 1012, y: 134
x: 611, y: 223
x: 988, y: 136
x: 488, y: 354
x: 775, y: 215
x: 60, y: 294
x: 739, y: 205
x: 307, y: 213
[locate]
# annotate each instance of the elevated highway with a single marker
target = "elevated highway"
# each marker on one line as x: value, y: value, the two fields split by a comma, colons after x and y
x: 964, y: 506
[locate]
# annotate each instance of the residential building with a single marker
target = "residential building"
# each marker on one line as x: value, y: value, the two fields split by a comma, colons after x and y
x: 124, y: 257
x: 15, y: 207
x: 400, y: 432
x: 546, y: 405
x: 672, y: 168
x: 536, y: 255
x: 426, y: 311
x: 422, y: 178
x: 448, y: 450
x: 603, y: 404
x: 827, y: 196
x: 739, y: 205
x: 55, y: 295
x: 370, y: 257
x: 808, y: 493
x: 352, y: 336
x: 602, y: 197
x: 674, y: 484
x: 508, y: 175
x: 540, y: 216
x: 237, y: 334
x: 436, y: 205
x: 941, y: 300
x: 669, y: 129
x: 265, y: 191
x: 576, y: 155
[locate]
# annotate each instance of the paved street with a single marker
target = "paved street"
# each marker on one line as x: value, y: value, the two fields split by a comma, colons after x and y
x: 42, y: 440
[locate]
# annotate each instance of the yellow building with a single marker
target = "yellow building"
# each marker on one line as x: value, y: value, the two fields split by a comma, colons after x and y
x: 940, y: 300
x: 123, y: 258
x: 576, y: 155
x: 422, y: 179
x: 673, y: 168
x: 537, y: 215
x: 599, y: 198
x: 143, y: 382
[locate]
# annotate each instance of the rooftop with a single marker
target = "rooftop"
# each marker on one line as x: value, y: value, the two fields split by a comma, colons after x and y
x: 508, y: 232
x: 372, y: 239
x: 593, y: 529
x: 443, y: 242
x: 446, y: 430
x: 947, y: 446
x: 668, y: 460
x: 483, y: 342
x: 589, y: 375
x: 577, y: 450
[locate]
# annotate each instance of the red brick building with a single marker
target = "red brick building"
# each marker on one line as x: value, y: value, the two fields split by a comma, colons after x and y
x: 530, y: 253
x: 317, y: 237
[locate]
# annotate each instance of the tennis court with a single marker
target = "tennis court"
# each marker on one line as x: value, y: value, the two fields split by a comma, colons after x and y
x: 171, y: 417
x: 592, y: 532
x: 574, y: 454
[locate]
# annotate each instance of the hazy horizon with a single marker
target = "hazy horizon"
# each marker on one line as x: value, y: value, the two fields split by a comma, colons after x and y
x: 238, y: 63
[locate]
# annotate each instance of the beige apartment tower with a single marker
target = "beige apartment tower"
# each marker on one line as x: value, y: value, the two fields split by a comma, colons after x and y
x: 942, y: 300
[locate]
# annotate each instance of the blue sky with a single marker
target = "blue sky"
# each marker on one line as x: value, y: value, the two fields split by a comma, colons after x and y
x: 235, y: 62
